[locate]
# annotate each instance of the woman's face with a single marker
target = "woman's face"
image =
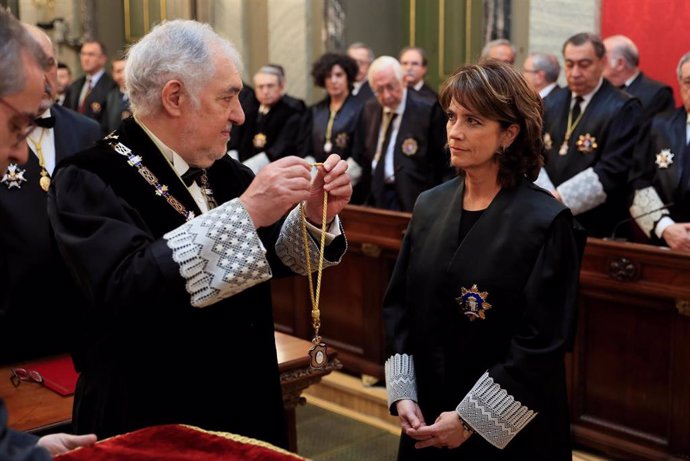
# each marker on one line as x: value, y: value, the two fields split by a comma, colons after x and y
x: 474, y: 139
x: 336, y: 82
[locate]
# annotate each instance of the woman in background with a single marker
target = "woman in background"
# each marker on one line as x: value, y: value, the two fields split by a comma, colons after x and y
x: 480, y: 309
x: 329, y: 126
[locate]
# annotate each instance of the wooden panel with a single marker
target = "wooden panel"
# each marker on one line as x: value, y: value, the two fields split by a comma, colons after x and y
x: 629, y: 372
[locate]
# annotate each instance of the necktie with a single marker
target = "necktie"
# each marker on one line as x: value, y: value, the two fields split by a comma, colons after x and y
x: 577, y: 109
x: 623, y: 86
x: 379, y: 172
x: 198, y: 175
x: 85, y: 92
x: 45, y: 122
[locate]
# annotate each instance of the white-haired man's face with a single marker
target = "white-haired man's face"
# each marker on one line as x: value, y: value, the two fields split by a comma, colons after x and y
x: 17, y: 112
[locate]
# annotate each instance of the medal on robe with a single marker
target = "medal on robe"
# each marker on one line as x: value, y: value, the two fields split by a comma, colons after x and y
x: 44, y: 182
x: 664, y: 158
x: 473, y: 303
x: 318, y: 352
x: 259, y: 140
x: 327, y: 146
x: 548, y: 142
x: 586, y: 143
x: 564, y: 148
x: 14, y: 177
x: 341, y: 140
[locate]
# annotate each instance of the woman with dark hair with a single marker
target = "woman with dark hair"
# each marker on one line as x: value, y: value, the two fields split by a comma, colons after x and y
x: 480, y: 309
x: 329, y: 126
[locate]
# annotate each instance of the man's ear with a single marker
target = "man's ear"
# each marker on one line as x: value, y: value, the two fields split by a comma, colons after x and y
x: 172, y: 97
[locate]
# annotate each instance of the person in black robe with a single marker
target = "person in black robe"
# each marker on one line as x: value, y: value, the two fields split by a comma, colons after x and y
x: 590, y: 130
x: 480, y: 309
x: 22, y: 89
x: 661, y: 177
x: 170, y: 240
x: 330, y: 125
x: 28, y: 254
x: 272, y: 132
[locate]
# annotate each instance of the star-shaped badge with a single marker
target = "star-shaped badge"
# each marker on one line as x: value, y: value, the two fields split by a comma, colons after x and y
x: 473, y: 302
x: 664, y: 158
x: 14, y: 176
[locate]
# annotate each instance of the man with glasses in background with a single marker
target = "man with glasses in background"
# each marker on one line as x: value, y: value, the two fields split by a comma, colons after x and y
x: 22, y: 86
x: 89, y: 94
x: 541, y: 70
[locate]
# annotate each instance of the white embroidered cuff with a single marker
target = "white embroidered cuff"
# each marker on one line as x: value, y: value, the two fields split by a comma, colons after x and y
x: 219, y: 254
x: 290, y: 246
x: 544, y: 181
x: 493, y: 413
x: 582, y: 192
x: 646, y: 201
x: 401, y: 383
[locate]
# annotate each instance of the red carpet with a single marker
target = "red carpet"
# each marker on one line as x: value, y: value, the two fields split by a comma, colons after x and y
x: 178, y: 443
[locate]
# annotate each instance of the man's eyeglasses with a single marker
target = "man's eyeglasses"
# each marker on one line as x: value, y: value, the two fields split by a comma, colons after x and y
x: 22, y: 124
x: 22, y: 374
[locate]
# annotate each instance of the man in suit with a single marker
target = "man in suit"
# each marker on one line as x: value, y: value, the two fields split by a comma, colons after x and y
x: 623, y: 71
x: 589, y: 136
x: 28, y: 255
x: 415, y: 65
x: 364, y: 56
x: 21, y: 91
x: 173, y: 242
x: 663, y: 163
x: 402, y: 151
x: 541, y: 70
x: 271, y: 133
x: 64, y: 80
x: 118, y: 98
x: 89, y: 94
x: 500, y: 50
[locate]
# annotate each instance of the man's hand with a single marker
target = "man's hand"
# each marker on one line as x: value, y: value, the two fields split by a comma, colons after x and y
x: 677, y: 236
x: 446, y: 432
x: 410, y: 415
x: 60, y: 443
x: 332, y: 178
x: 276, y: 189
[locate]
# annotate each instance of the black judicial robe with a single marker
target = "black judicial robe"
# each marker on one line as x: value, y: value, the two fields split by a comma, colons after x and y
x: 525, y: 253
x: 423, y: 124
x: 613, y: 120
x: 656, y: 97
x: 37, y: 296
x: 147, y: 356
x: 343, y: 134
x: 672, y: 183
x: 279, y: 128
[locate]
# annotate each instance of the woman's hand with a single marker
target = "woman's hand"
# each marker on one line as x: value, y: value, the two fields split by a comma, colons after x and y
x: 446, y: 432
x: 410, y: 415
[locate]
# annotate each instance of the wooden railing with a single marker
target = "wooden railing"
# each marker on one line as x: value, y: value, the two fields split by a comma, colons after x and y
x: 629, y: 372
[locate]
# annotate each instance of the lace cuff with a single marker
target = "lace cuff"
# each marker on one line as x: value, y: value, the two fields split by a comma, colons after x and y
x: 645, y: 201
x: 582, y: 192
x: 544, y: 181
x: 290, y: 246
x: 219, y: 254
x: 400, y: 379
x: 493, y: 413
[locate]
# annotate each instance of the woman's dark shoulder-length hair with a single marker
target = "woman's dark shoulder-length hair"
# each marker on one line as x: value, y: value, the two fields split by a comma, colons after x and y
x: 322, y: 67
x: 498, y: 92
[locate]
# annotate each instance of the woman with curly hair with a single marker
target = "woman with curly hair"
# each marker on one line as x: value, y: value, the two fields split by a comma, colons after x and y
x: 480, y: 309
x: 329, y: 126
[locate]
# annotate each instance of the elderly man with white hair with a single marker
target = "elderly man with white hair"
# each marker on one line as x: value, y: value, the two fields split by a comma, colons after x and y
x: 172, y: 242
x: 402, y: 144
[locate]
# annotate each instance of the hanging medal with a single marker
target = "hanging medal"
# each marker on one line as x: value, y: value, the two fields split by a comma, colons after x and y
x: 328, y: 145
x: 569, y: 132
x: 44, y: 181
x: 318, y: 352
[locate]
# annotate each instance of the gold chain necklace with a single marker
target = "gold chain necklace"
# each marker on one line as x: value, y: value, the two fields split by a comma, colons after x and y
x: 318, y: 352
x: 44, y: 182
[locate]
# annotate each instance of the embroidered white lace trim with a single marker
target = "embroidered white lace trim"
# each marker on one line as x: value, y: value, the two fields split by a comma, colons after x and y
x: 219, y: 254
x: 493, y: 413
x: 290, y: 246
x: 644, y: 201
x: 544, y: 181
x: 401, y: 383
x: 582, y: 192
